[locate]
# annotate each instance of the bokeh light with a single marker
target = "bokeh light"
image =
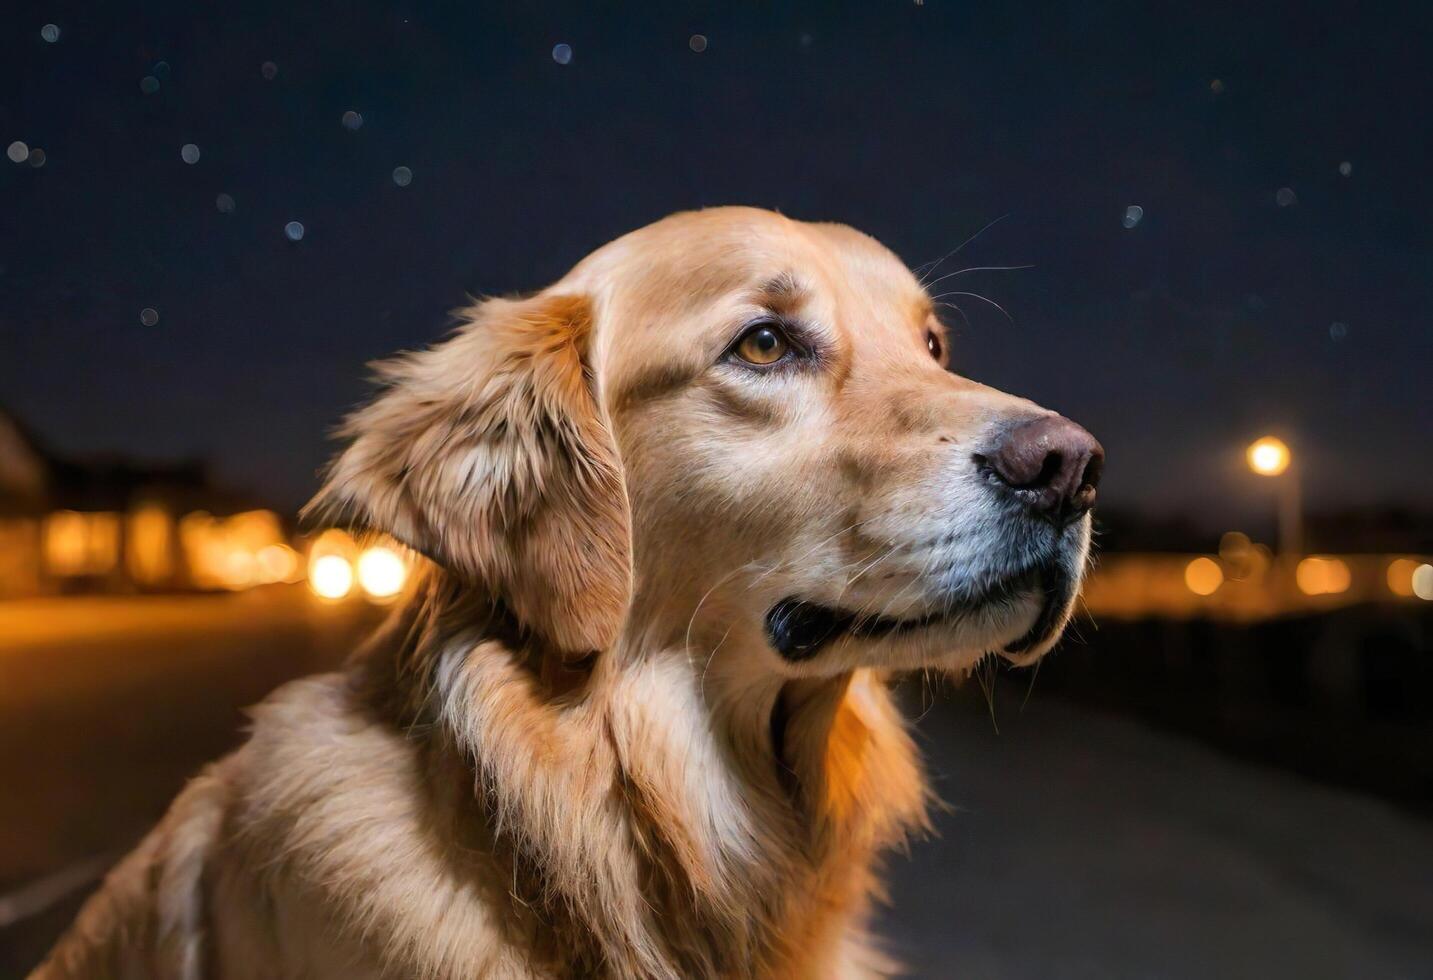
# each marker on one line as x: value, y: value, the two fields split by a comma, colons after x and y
x: 351, y: 120
x: 1318, y: 575
x: 189, y: 153
x: 50, y: 32
x: 381, y: 572
x: 269, y: 70
x: 330, y: 576
x: 1268, y: 456
x: 1400, y: 576
x: 17, y: 151
x: 1423, y: 582
x: 1133, y: 215
x: 562, y: 53
x: 149, y: 85
x: 294, y: 231
x: 1203, y: 576
x: 697, y: 42
x: 276, y: 563
x: 225, y: 204
x: 149, y: 316
x: 402, y: 176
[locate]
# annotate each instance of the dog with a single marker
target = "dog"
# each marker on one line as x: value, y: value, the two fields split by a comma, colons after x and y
x: 680, y: 518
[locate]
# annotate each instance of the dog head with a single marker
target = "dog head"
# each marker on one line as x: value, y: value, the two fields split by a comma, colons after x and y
x: 731, y: 431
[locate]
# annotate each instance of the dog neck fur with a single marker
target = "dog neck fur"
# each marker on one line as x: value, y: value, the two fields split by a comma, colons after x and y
x: 661, y: 823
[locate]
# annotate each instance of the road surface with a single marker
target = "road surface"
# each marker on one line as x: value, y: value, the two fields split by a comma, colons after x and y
x: 1078, y: 845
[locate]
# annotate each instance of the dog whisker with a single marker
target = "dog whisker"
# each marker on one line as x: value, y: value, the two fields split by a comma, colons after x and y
x: 977, y: 268
x: 983, y: 299
x: 934, y: 266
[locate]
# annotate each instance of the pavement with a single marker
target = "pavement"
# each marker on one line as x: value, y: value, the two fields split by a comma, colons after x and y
x: 1085, y: 845
x: 1076, y: 844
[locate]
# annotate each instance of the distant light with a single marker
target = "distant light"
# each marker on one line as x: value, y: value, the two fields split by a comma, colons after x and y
x: 50, y: 32
x: 1203, y: 576
x: 37, y: 157
x: 237, y: 570
x: 276, y: 563
x: 224, y: 203
x: 402, y: 176
x: 189, y: 153
x: 1400, y: 576
x: 1346, y: 169
x: 1285, y: 196
x: 381, y: 572
x: 697, y: 42
x: 352, y: 120
x: 1268, y: 456
x: 1338, y: 330
x: 1322, y: 576
x: 1133, y: 214
x: 562, y: 53
x: 17, y: 151
x: 331, y: 576
x: 1217, y: 86
x: 149, y: 316
x: 149, y: 85
x: 1423, y: 582
x: 269, y: 70
x: 294, y: 230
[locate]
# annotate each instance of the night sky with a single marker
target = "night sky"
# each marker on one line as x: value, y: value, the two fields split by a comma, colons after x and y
x: 1228, y: 310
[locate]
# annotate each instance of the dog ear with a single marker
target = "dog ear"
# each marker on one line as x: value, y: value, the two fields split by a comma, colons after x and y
x: 489, y: 453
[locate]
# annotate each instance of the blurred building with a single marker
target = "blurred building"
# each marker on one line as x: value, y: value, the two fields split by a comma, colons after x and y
x: 122, y: 526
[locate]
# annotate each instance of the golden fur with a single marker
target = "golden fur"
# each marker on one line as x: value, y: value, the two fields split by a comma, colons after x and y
x: 572, y: 751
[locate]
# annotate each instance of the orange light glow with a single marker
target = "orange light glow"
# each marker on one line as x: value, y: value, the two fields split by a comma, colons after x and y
x: 1317, y: 575
x: 81, y: 543
x: 222, y: 552
x: 381, y: 572
x: 1400, y: 576
x: 1203, y: 576
x: 276, y: 563
x: 330, y: 576
x: 148, y: 550
x: 1268, y: 456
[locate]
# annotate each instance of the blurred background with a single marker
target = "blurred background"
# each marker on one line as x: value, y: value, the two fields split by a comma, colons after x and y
x: 1203, y: 231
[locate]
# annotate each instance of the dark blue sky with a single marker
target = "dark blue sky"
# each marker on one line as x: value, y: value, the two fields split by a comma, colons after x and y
x: 1175, y: 341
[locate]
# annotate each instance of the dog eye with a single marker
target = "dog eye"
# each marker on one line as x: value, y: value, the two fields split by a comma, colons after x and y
x: 933, y: 344
x: 763, y: 344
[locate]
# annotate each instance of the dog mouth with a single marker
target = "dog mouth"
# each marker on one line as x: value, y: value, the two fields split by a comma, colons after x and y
x: 799, y: 628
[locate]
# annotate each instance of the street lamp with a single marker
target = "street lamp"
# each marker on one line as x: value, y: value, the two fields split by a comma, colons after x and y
x: 1268, y: 456
x: 1271, y: 457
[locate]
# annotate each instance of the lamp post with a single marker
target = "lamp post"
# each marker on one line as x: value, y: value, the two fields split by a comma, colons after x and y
x: 1271, y: 457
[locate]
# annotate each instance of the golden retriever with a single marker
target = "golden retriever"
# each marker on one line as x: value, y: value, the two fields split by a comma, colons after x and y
x: 682, y: 514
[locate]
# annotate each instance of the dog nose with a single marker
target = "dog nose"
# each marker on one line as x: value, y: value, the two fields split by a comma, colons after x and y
x: 1054, y: 463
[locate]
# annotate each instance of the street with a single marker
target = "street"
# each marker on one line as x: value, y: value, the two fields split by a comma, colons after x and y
x: 1077, y: 844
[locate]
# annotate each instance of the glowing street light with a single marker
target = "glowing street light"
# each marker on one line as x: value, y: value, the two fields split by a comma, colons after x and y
x: 1423, y: 582
x: 331, y: 576
x: 1203, y: 576
x: 1271, y: 457
x: 381, y: 572
x: 1268, y: 456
